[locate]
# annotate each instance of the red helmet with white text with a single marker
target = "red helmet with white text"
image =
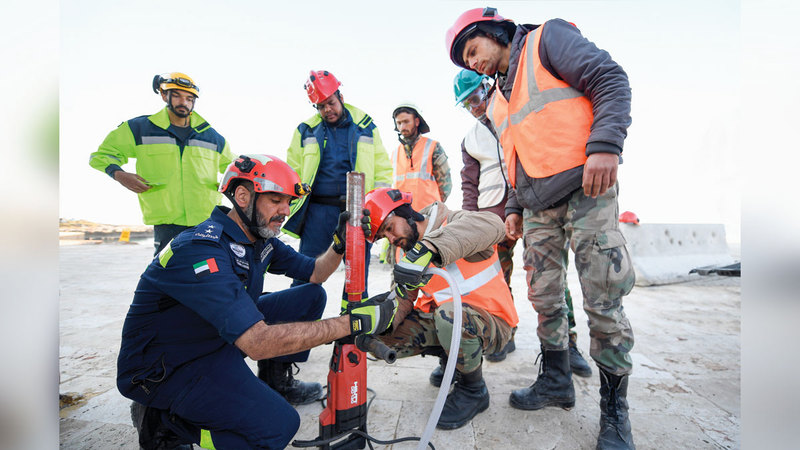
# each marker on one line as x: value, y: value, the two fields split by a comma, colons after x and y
x: 320, y: 85
x: 381, y: 202
x: 466, y: 24
x: 268, y: 174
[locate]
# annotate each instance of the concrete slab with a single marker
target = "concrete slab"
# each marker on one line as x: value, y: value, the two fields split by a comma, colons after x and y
x: 664, y: 253
x: 684, y: 391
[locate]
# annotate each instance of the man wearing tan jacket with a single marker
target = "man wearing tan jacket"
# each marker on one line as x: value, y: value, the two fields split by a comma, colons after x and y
x: 464, y: 244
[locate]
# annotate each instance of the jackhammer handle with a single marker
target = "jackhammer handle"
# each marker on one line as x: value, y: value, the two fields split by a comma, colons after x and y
x: 368, y: 343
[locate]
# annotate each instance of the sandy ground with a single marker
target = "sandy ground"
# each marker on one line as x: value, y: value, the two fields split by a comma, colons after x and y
x: 684, y: 391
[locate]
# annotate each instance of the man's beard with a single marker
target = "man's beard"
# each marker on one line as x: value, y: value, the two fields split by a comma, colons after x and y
x: 180, y: 114
x: 262, y: 225
x: 410, y: 139
x: 175, y: 111
x: 413, y: 236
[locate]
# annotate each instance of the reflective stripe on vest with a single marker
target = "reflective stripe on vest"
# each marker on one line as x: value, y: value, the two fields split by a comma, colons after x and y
x: 419, y: 179
x: 481, y: 284
x: 466, y: 285
x: 546, y: 123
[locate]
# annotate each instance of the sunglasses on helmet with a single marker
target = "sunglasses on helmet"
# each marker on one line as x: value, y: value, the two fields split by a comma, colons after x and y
x: 182, y: 82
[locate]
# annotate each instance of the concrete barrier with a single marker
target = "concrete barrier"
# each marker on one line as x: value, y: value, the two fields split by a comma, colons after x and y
x: 664, y: 253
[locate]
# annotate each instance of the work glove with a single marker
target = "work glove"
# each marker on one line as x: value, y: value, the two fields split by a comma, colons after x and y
x: 340, y: 233
x: 409, y: 272
x: 372, y: 316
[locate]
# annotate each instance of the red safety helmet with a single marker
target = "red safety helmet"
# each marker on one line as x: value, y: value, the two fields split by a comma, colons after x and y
x: 381, y: 202
x: 464, y: 26
x: 268, y: 174
x: 320, y: 85
x: 629, y: 217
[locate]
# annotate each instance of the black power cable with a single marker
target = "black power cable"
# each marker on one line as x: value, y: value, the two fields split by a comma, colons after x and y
x: 318, y: 442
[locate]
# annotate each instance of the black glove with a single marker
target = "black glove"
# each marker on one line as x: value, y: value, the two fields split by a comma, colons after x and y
x: 409, y: 272
x: 340, y: 233
x: 372, y: 316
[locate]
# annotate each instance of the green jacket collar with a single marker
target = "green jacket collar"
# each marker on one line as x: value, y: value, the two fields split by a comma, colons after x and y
x: 357, y: 115
x: 161, y: 119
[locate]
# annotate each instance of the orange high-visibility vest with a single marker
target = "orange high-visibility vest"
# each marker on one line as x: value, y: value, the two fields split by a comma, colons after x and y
x: 415, y: 175
x: 546, y: 123
x: 480, y: 283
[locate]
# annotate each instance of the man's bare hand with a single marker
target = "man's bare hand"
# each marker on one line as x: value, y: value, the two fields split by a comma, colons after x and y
x: 131, y: 181
x: 513, y: 226
x: 599, y: 173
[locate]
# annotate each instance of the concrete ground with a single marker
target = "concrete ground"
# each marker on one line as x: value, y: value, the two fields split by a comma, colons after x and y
x: 684, y: 391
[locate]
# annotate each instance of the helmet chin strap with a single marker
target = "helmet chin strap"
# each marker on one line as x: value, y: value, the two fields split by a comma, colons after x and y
x: 407, y: 141
x: 250, y: 222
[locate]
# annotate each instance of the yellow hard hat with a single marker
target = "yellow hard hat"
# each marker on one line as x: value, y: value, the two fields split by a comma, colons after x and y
x: 175, y: 80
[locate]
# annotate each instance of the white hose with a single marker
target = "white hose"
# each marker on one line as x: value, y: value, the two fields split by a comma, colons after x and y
x: 450, y: 367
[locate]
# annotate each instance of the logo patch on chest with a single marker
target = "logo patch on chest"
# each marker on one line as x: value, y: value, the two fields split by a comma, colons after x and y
x: 237, y: 249
x: 264, y: 253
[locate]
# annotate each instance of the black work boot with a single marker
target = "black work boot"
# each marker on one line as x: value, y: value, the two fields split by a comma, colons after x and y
x: 501, y: 355
x: 615, y: 426
x: 468, y: 398
x: 153, y: 433
x: 438, y: 373
x: 279, y: 376
x: 577, y: 364
x: 553, y: 387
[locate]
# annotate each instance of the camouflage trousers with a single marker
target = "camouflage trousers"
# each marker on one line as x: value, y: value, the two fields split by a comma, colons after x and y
x: 430, y: 333
x: 604, y: 268
x: 505, y: 253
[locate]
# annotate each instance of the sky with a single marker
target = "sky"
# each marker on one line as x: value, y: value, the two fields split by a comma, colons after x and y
x: 250, y: 60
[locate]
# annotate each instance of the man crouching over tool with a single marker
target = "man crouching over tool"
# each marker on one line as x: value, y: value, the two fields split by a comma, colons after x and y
x: 199, y: 308
x: 463, y: 243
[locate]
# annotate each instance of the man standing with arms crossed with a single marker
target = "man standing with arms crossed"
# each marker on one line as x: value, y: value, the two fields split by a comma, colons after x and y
x: 484, y: 178
x: 178, y: 158
x: 562, y: 109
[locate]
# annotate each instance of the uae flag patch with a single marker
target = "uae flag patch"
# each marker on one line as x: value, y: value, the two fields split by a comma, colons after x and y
x: 206, y: 267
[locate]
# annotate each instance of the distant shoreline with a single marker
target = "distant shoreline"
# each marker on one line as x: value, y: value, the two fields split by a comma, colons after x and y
x: 86, y: 232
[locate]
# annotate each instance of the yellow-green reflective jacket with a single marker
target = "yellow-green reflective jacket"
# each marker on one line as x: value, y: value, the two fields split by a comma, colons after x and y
x: 304, y: 156
x: 183, y: 186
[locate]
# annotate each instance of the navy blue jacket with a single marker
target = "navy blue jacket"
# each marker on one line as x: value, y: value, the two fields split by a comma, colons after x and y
x: 198, y: 295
